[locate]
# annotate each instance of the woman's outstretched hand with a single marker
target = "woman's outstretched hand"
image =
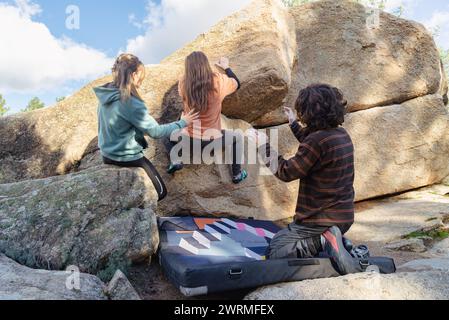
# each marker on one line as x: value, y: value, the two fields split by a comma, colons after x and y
x: 223, y: 63
x: 291, y: 115
x: 190, y: 117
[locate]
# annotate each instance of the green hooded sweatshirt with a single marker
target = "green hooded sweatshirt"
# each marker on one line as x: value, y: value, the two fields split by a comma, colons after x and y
x: 122, y: 126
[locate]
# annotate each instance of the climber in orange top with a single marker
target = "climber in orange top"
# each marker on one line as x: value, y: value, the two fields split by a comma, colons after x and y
x: 203, y: 90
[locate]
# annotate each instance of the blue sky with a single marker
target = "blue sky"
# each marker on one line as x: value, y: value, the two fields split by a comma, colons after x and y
x: 48, y: 60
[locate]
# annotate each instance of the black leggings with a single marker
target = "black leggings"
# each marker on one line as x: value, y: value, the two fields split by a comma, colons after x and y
x: 236, y: 142
x: 151, y: 171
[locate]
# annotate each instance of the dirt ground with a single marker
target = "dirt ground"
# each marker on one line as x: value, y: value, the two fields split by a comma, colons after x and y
x: 151, y: 284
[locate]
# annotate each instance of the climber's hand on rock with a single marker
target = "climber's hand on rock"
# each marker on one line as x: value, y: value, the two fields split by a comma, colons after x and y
x: 223, y: 63
x: 291, y: 115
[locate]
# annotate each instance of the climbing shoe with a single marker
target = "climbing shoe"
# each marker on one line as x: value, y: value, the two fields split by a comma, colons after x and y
x: 342, y: 260
x: 173, y: 167
x: 241, y: 177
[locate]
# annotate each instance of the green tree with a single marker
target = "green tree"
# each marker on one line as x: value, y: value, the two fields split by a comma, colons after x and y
x: 34, y: 104
x: 3, y: 108
x: 59, y: 99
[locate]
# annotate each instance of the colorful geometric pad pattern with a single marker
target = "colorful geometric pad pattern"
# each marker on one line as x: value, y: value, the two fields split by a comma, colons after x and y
x: 219, y: 237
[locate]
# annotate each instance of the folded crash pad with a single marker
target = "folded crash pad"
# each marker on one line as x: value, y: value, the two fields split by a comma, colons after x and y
x: 203, y: 255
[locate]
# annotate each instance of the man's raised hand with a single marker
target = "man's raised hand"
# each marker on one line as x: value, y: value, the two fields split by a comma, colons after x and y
x: 291, y: 115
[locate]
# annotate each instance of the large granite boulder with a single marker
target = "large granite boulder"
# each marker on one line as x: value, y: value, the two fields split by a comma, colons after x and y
x: 374, y: 65
x: 22, y: 283
x: 49, y: 141
x: 400, y: 147
x: 274, y: 51
x: 261, y: 43
x: 429, y: 285
x: 100, y: 220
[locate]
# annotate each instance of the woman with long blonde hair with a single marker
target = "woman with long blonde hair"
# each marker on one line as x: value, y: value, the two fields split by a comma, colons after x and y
x: 203, y: 90
x: 123, y: 120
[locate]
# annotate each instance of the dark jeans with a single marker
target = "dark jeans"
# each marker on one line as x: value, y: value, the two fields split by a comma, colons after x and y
x: 151, y: 171
x: 299, y: 241
x: 228, y: 139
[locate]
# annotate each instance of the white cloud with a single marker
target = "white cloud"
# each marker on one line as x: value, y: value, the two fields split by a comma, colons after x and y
x: 28, y: 8
x: 33, y: 60
x: 438, y: 24
x: 133, y: 20
x: 173, y: 23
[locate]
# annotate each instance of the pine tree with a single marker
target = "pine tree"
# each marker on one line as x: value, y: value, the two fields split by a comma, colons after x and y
x: 34, y: 104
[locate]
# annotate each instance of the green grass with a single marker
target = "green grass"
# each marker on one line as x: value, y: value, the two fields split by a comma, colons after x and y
x: 117, y: 261
x: 436, y: 234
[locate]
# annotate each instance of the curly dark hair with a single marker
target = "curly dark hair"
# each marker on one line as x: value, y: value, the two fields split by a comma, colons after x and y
x: 321, y: 107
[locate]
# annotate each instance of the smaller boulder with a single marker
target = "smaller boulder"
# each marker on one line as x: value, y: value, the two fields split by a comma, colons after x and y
x: 18, y: 282
x: 119, y: 288
x: 425, y: 265
x: 428, y: 285
x: 99, y: 220
x: 410, y: 245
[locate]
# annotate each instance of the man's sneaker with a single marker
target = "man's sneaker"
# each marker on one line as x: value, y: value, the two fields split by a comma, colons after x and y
x: 241, y: 177
x: 173, y: 167
x: 340, y: 257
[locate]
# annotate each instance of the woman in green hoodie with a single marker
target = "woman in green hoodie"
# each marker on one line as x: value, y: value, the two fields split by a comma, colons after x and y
x: 123, y: 120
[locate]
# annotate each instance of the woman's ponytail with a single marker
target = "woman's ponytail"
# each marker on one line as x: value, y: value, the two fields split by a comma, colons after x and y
x: 124, y: 68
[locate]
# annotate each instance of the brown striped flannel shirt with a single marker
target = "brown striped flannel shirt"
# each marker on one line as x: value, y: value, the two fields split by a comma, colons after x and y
x: 324, y: 164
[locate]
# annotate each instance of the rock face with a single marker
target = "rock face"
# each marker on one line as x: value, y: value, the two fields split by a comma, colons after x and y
x: 21, y: 283
x: 430, y: 285
x: 99, y: 220
x: 374, y: 66
x: 400, y: 147
x: 261, y: 42
x: 387, y: 64
x: 387, y: 221
x: 47, y: 142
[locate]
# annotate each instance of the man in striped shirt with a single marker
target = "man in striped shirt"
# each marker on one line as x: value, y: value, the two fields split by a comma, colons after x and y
x: 324, y: 164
